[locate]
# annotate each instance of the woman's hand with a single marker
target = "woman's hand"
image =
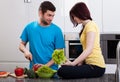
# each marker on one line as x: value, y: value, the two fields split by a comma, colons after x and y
x: 79, y: 64
x: 69, y: 63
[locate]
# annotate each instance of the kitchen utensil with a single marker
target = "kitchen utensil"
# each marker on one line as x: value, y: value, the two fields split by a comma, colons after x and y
x: 13, y: 75
x: 5, y: 74
x: 31, y: 61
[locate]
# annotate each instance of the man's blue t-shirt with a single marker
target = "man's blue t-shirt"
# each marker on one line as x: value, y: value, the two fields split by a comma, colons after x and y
x: 43, y: 40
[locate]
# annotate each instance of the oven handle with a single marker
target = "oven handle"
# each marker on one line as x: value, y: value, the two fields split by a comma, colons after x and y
x: 75, y: 43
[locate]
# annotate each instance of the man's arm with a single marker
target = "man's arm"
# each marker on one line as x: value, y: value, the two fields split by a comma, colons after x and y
x: 22, y: 48
x: 51, y: 62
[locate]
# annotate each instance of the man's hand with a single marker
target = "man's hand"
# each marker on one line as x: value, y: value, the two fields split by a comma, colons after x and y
x: 22, y: 48
x: 36, y: 66
x: 28, y: 55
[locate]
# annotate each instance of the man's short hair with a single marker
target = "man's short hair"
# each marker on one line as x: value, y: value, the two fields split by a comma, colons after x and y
x: 47, y: 5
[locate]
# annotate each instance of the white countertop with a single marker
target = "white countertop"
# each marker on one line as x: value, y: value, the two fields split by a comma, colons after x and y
x: 110, y: 68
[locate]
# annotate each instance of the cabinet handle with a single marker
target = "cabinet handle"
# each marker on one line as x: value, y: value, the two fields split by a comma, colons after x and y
x: 75, y: 43
x: 27, y: 1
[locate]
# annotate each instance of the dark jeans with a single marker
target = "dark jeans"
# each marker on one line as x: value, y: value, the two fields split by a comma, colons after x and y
x: 83, y: 71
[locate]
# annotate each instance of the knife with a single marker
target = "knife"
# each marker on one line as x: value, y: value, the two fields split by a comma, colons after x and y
x: 31, y: 62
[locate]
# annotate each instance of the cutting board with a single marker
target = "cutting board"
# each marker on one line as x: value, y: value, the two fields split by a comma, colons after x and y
x: 4, y: 74
x: 13, y: 75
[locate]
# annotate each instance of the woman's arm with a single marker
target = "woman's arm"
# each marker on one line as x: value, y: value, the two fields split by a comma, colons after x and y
x: 89, y: 47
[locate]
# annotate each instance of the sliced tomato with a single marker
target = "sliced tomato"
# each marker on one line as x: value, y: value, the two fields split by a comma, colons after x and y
x: 3, y: 72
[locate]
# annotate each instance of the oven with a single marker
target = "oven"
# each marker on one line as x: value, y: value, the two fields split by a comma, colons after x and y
x: 108, y: 45
x: 73, y: 46
x: 74, y: 49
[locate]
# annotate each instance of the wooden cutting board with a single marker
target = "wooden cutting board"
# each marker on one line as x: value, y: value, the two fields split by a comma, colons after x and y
x: 4, y: 74
x: 13, y: 75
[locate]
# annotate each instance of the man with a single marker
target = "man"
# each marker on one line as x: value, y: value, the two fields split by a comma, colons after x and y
x: 43, y: 37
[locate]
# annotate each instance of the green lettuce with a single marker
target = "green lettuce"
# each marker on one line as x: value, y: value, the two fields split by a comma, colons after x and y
x: 58, y: 56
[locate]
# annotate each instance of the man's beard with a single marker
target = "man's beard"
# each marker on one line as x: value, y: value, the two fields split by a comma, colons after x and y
x: 44, y: 22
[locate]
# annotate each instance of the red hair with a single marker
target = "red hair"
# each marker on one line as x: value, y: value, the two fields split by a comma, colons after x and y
x: 81, y: 11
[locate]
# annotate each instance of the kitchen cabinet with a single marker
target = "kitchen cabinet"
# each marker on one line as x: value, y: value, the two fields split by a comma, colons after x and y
x: 111, y: 16
x: 68, y: 24
x: 95, y: 8
x: 103, y: 13
x: 13, y: 18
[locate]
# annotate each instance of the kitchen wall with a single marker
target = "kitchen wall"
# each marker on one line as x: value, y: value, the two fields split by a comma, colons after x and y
x: 15, y: 14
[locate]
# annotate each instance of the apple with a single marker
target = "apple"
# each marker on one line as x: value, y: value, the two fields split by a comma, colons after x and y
x: 19, y: 71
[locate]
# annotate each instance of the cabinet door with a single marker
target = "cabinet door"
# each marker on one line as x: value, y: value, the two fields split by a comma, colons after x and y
x: 95, y: 8
x: 68, y: 24
x: 13, y: 17
x: 59, y: 14
x: 111, y: 16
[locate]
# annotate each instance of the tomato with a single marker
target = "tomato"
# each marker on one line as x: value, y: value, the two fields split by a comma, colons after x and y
x: 19, y: 71
x: 36, y: 66
x: 3, y: 72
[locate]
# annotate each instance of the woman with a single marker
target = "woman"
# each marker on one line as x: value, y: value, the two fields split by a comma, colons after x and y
x: 90, y: 63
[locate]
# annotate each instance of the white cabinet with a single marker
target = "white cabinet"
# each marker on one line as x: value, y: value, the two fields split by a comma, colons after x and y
x: 13, y: 17
x: 68, y: 24
x: 111, y: 16
x: 105, y: 13
x: 95, y: 8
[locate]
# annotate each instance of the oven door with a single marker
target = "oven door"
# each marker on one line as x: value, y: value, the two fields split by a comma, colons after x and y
x: 75, y: 49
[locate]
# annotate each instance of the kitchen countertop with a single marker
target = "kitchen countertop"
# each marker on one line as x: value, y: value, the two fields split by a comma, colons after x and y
x: 104, y: 78
x: 109, y: 74
x: 12, y: 79
x: 110, y: 68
